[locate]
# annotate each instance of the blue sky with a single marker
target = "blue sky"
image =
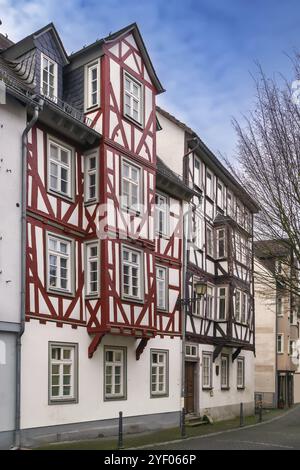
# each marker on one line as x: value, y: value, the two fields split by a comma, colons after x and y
x: 203, y: 50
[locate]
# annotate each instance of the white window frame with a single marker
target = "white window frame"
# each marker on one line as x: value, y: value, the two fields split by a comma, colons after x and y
x: 164, y: 282
x: 55, y: 78
x: 198, y: 304
x: 60, y: 255
x: 198, y: 181
x: 132, y: 265
x: 219, y: 297
x: 220, y: 195
x: 279, y: 306
x: 230, y: 203
x: 130, y: 206
x: 89, y: 259
x: 207, y: 370
x: 210, y: 302
x: 114, y: 365
x: 224, y: 385
x: 219, y: 239
x: 244, y: 307
x: 60, y: 363
x: 240, y: 374
x: 281, y: 349
x: 292, y: 342
x: 163, y: 211
x: 156, y: 375
x: 133, y: 98
x: 88, y: 172
x: 60, y: 165
x: 209, y: 247
x: 210, y: 192
x: 88, y: 100
x: 191, y: 351
x: 238, y: 305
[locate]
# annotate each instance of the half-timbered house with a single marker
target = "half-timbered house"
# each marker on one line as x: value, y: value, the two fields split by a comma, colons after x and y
x: 103, y: 235
x: 219, y: 329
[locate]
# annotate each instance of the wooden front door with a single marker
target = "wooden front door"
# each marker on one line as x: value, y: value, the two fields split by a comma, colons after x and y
x: 189, y: 402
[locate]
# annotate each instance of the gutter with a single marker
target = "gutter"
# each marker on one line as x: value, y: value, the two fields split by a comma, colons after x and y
x: 38, y: 106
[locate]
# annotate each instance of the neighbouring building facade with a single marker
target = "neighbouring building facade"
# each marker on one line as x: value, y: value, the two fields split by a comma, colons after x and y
x: 219, y: 331
x: 277, y: 327
x: 123, y: 212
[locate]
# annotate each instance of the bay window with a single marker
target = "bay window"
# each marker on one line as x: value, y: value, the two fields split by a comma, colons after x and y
x: 222, y: 303
x: 131, y: 186
x: 59, y: 169
x: 90, y: 179
x: 92, y: 269
x: 221, y: 243
x: 161, y: 287
x: 131, y: 273
x: 60, y: 251
x: 161, y: 214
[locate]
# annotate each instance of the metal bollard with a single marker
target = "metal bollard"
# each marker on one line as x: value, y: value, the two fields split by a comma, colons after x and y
x: 241, y: 415
x: 182, y: 424
x: 120, y: 437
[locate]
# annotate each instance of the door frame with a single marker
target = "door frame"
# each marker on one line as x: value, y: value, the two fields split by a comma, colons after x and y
x: 196, y: 384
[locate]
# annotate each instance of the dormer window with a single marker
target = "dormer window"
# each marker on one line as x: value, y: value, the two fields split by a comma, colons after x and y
x: 92, y: 85
x: 48, y: 77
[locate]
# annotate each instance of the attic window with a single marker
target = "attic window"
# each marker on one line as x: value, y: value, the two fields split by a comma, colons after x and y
x: 133, y: 98
x: 92, y: 85
x: 48, y: 77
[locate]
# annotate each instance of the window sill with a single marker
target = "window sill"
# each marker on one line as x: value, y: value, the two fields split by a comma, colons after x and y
x: 92, y: 202
x: 207, y: 389
x: 92, y: 296
x: 162, y: 310
x: 162, y: 235
x: 133, y: 121
x: 63, y: 401
x: 124, y: 398
x: 92, y: 108
x: 63, y: 196
x: 163, y: 395
x: 60, y: 293
x: 132, y: 299
x: 131, y: 211
x: 241, y: 389
x: 225, y: 389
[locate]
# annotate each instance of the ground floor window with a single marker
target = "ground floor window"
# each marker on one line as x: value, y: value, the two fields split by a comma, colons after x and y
x: 159, y: 373
x: 240, y: 372
x: 63, y: 372
x: 206, y: 370
x: 114, y: 373
x: 224, y: 372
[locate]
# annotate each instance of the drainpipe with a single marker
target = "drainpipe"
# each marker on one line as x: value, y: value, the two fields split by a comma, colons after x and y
x: 23, y: 270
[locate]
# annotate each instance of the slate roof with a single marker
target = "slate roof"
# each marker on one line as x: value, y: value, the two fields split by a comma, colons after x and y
x: 5, y: 42
x: 167, y: 179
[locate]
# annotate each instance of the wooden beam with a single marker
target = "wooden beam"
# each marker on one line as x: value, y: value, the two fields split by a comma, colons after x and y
x: 235, y: 354
x: 95, y: 343
x: 140, y: 349
x: 217, y: 351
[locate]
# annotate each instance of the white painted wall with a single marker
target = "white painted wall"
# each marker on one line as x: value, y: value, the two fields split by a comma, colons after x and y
x: 265, y: 334
x: 35, y: 409
x: 170, y: 144
x: 12, y: 124
x: 222, y: 404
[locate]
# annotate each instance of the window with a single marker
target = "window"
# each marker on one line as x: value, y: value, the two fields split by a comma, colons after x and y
x: 222, y: 303
x: 92, y: 269
x: 230, y: 208
x: 221, y: 249
x: 198, y: 303
x: 239, y: 215
x: 90, y: 179
x: 292, y: 347
x: 161, y: 287
x: 198, y: 230
x: 209, y: 302
x: 197, y: 173
x: 278, y: 266
x: 280, y: 344
x: 159, y: 373
x: 59, y: 263
x: 240, y: 372
x: 132, y: 98
x: 224, y: 372
x: 59, y: 169
x: 209, y: 184
x: 114, y: 373
x: 63, y: 372
x: 191, y: 350
x: 130, y: 186
x: 244, y: 308
x: 131, y: 273
x: 279, y: 306
x: 220, y: 195
x: 161, y: 214
x: 92, y: 87
x: 206, y: 370
x: 238, y: 305
x: 209, y: 241
x: 48, y: 77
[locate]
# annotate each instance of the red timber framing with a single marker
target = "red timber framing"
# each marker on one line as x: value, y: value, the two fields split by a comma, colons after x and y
x: 121, y: 138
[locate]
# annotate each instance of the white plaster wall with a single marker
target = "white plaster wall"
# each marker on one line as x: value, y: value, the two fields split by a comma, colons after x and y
x: 13, y: 120
x: 210, y: 400
x: 265, y: 335
x: 170, y: 144
x: 91, y: 406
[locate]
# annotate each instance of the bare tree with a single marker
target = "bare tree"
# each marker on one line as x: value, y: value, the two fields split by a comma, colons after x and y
x: 268, y: 160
